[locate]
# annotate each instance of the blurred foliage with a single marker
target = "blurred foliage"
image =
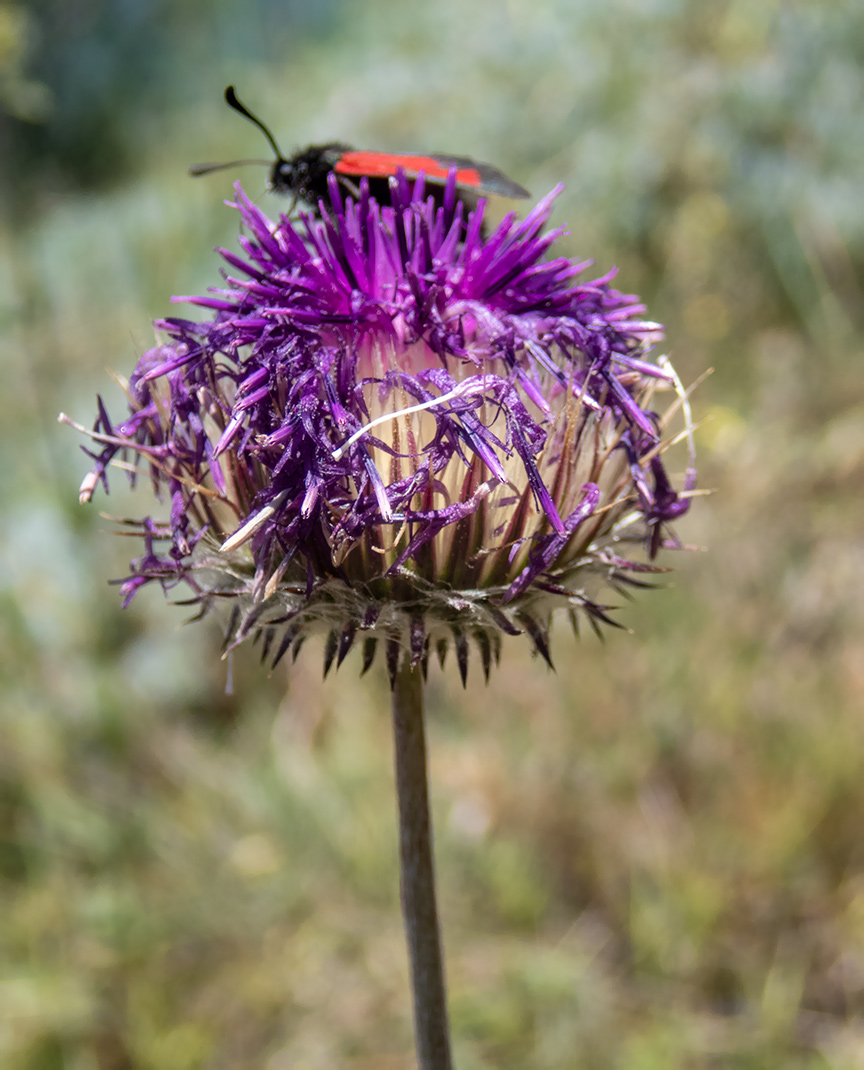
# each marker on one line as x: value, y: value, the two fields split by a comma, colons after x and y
x: 652, y: 859
x: 85, y: 84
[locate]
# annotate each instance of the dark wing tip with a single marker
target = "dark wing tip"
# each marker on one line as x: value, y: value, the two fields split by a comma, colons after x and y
x: 495, y: 181
x: 491, y: 179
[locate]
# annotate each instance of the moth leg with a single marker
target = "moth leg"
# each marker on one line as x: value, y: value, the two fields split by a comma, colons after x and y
x: 352, y: 189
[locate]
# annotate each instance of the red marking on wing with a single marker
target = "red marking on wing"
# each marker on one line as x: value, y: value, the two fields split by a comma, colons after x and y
x: 384, y: 164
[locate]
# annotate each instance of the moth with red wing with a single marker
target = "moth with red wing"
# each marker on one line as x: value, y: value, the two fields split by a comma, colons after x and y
x: 304, y: 175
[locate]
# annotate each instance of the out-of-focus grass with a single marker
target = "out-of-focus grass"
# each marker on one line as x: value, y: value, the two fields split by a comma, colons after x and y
x: 651, y: 859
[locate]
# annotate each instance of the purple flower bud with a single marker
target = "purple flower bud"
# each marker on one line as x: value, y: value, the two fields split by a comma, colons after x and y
x: 393, y: 425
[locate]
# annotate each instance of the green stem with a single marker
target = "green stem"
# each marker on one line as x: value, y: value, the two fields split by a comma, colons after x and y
x: 417, y: 873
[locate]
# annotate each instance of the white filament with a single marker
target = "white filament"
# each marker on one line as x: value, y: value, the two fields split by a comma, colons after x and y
x: 464, y: 389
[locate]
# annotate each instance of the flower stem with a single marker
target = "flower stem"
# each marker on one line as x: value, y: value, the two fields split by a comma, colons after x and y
x: 417, y: 873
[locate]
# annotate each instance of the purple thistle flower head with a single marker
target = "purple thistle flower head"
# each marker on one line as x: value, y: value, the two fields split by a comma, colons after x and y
x: 394, y: 425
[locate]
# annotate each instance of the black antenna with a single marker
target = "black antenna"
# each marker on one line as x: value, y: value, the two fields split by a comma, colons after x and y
x: 231, y: 99
x: 207, y: 168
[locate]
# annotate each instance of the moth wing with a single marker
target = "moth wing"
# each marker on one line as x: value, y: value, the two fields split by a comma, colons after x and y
x: 481, y: 177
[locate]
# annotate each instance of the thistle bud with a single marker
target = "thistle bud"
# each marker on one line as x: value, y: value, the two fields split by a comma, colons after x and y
x: 395, y: 427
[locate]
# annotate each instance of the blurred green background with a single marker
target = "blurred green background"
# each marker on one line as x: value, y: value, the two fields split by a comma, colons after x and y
x: 653, y: 859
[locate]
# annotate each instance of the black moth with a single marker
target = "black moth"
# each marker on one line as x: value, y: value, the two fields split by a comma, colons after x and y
x: 304, y: 175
